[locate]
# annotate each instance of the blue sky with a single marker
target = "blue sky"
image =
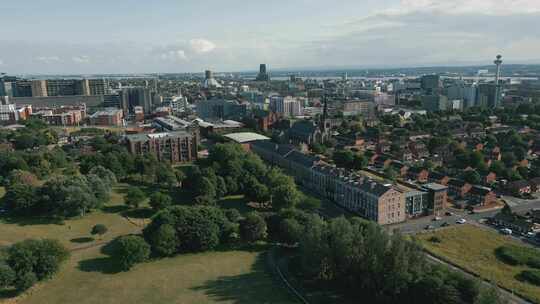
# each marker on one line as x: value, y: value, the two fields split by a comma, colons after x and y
x: 126, y: 36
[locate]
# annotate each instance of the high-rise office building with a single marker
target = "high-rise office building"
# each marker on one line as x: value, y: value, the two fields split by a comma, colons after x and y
x: 487, y: 95
x: 39, y: 88
x: 287, y: 106
x: 430, y: 83
x: 263, y: 74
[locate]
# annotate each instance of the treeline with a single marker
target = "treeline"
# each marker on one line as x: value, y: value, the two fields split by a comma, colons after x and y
x: 40, y: 162
x: 35, y: 134
x: 360, y: 260
x: 183, y: 229
x: 27, y: 262
x: 230, y: 170
x: 62, y: 196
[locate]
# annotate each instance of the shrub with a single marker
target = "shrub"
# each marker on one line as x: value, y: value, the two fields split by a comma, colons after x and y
x: 99, y: 229
x: 531, y: 276
x: 435, y: 239
x: 253, y: 227
x: 160, y: 201
x: 518, y: 255
x: 130, y: 250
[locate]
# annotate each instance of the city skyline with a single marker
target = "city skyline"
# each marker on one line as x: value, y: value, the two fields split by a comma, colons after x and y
x: 60, y: 36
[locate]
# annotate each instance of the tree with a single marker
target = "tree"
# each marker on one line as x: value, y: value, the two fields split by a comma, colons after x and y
x: 134, y: 197
x: 99, y: 229
x: 256, y: 191
x: 285, y: 196
x: 472, y: 177
x: 343, y: 158
x: 359, y: 161
x: 233, y: 215
x: 33, y: 260
x: 290, y: 231
x: 160, y: 200
x: 130, y: 250
x: 165, y: 176
x: 105, y: 174
x: 7, y: 276
x: 390, y: 173
x: 164, y: 240
x: 309, y: 203
x: 22, y: 199
x: 253, y: 227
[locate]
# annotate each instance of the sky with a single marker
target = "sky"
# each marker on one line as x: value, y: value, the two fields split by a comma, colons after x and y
x: 169, y: 36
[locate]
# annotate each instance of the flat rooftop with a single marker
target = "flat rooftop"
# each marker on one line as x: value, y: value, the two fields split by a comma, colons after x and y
x: 243, y: 137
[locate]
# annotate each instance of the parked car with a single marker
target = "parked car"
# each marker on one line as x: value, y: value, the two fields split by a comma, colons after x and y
x: 437, y: 218
x: 461, y: 221
x: 448, y: 213
x: 506, y: 231
x: 531, y: 234
x: 429, y: 227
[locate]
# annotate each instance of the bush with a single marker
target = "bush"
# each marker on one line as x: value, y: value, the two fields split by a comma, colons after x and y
x: 134, y: 197
x: 518, y: 255
x: 233, y: 215
x: 253, y: 227
x: 99, y: 229
x: 130, y: 250
x: 290, y: 231
x: 160, y: 201
x: 7, y: 276
x: 34, y: 260
x: 435, y: 239
x: 196, y: 229
x: 531, y: 276
x: 25, y: 281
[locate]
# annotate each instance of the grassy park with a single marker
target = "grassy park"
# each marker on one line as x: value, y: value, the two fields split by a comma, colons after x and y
x: 214, y: 277
x: 474, y: 248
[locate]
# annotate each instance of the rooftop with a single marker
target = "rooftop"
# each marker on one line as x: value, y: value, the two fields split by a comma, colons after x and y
x: 243, y: 137
x: 149, y: 136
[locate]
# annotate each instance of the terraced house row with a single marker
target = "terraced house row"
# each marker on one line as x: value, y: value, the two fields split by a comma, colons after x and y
x: 369, y: 198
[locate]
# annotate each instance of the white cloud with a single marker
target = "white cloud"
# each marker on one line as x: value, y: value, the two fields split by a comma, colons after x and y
x: 174, y: 55
x: 81, y: 59
x: 489, y: 7
x: 47, y: 59
x: 200, y: 45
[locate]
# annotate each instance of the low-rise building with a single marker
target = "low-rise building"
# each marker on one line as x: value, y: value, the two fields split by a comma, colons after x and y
x: 107, y: 117
x: 175, y: 147
x: 437, y: 194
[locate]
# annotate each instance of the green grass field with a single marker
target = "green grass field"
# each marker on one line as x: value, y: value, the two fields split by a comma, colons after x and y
x: 473, y: 248
x: 89, y: 276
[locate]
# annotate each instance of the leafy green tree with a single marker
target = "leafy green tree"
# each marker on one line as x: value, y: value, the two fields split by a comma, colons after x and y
x: 253, y: 227
x: 360, y: 161
x: 7, y: 276
x: 130, y: 250
x: 166, y: 177
x: 390, y: 173
x: 290, y: 231
x: 25, y: 280
x: 164, y: 240
x: 343, y: 158
x: 22, y: 199
x: 285, y: 196
x: 105, y: 174
x: 160, y: 200
x: 472, y: 177
x: 309, y: 203
x: 134, y: 197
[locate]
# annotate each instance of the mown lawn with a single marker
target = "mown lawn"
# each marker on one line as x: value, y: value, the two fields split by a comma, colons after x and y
x: 76, y: 232
x: 237, y: 277
x: 473, y: 248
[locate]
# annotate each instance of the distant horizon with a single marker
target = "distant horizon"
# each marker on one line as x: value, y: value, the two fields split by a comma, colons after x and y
x: 292, y: 69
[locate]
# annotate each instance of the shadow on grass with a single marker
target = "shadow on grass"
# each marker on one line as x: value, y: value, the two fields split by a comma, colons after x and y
x: 253, y: 287
x: 8, y: 293
x: 106, y: 265
x: 114, y: 209
x: 82, y: 240
x: 29, y: 221
x: 140, y: 213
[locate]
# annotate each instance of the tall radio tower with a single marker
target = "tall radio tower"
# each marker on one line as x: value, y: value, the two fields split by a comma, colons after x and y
x: 498, y: 61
